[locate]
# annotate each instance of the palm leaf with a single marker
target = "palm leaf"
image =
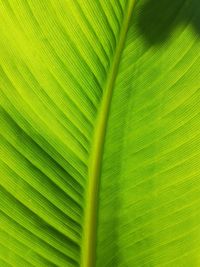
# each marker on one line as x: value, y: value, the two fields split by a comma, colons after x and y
x: 100, y: 133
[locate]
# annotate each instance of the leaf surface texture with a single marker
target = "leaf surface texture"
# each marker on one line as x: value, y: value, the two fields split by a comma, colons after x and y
x: 100, y: 133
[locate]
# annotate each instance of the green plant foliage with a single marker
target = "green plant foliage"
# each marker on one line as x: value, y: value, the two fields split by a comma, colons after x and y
x: 100, y: 133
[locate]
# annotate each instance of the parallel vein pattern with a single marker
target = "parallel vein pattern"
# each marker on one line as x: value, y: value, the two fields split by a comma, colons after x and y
x: 54, y: 60
x: 150, y: 182
x: 100, y: 133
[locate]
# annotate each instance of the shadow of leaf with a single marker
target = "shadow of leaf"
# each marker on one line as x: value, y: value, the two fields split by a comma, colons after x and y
x: 158, y: 18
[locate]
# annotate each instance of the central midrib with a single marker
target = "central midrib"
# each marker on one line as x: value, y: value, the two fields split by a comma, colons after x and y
x: 89, y: 236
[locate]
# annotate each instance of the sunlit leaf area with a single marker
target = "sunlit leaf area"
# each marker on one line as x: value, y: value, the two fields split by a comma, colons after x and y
x: 100, y: 133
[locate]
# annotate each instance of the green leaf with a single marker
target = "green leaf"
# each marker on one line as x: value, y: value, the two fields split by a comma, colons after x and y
x: 100, y: 133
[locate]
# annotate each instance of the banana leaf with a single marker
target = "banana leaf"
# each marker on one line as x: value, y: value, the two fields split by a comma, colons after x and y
x: 100, y: 133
